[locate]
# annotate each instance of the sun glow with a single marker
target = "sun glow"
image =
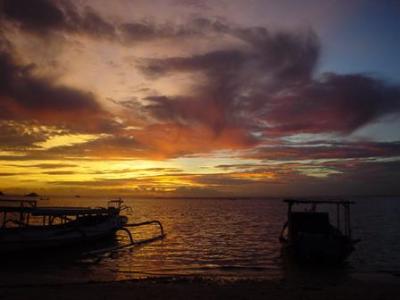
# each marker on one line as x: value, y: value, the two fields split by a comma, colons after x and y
x: 66, y: 140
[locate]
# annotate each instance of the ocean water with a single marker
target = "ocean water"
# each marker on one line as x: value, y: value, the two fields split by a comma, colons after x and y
x: 221, y: 239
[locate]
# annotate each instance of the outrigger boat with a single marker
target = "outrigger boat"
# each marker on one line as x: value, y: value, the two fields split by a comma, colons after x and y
x: 26, y: 227
x: 308, y: 236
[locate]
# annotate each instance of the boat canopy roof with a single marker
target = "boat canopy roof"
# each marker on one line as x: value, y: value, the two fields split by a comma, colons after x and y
x: 306, y: 201
x: 68, y: 211
x: 57, y: 211
x: 29, y: 206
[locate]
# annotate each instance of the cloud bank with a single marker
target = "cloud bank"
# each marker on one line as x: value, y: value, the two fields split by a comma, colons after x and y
x: 206, y: 85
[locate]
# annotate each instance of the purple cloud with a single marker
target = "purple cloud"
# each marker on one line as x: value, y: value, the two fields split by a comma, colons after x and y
x: 268, y: 85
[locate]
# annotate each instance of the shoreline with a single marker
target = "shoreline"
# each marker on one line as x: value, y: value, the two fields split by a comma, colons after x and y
x: 364, y: 286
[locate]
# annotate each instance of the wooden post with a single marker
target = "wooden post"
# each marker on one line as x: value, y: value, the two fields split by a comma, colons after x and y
x: 338, y: 216
x: 21, y: 216
x: 348, y: 211
x: 289, y: 223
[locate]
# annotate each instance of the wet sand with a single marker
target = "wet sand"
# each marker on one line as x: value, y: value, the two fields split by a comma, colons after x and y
x: 363, y: 288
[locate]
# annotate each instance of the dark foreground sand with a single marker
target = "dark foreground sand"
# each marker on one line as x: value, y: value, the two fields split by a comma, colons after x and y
x: 173, y: 288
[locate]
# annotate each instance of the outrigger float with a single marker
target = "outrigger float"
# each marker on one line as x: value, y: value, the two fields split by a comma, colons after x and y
x: 26, y: 227
x: 308, y: 236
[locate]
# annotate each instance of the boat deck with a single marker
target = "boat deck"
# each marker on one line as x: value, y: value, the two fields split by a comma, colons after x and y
x: 58, y: 211
x: 29, y: 206
x: 303, y: 201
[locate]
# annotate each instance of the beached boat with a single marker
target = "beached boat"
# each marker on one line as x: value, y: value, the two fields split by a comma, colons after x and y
x: 27, y: 227
x: 309, y: 236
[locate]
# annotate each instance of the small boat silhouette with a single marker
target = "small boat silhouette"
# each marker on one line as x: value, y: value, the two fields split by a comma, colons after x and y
x: 309, y: 236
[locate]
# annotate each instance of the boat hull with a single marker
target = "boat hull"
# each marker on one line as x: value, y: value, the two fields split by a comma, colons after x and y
x: 315, y: 249
x: 34, y: 238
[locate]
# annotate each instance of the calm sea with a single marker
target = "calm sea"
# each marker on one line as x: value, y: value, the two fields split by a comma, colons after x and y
x: 214, y: 238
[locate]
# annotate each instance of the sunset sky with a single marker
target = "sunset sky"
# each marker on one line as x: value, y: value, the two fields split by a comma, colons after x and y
x: 200, y: 98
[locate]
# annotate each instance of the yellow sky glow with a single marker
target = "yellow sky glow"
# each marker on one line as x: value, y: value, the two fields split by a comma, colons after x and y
x: 66, y: 140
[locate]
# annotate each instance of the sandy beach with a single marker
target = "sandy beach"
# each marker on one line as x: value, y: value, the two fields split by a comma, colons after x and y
x: 365, y: 288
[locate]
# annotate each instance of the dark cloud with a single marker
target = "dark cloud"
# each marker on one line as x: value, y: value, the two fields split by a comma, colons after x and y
x: 284, y: 57
x: 134, y: 32
x: 215, y: 180
x: 108, y: 146
x: 146, y: 31
x: 24, y: 96
x: 198, y: 4
x: 335, y: 103
x: 235, y: 85
x: 261, y: 84
x: 60, y: 173
x: 15, y: 174
x: 45, y: 165
x: 350, y: 177
x: 15, y: 135
x: 326, y: 150
x: 91, y: 23
x: 268, y: 86
x: 46, y: 16
x: 287, y: 55
x: 371, y: 171
x: 373, y: 177
x: 18, y: 83
x: 150, y: 181
x: 34, y: 15
x: 338, y: 177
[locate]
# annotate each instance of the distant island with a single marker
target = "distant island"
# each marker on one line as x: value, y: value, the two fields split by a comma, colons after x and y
x: 31, y: 195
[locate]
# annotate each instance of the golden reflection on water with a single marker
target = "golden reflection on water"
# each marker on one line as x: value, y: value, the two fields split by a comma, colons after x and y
x: 208, y: 237
x: 213, y: 238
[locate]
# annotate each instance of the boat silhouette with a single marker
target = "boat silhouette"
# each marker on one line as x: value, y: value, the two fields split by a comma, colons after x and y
x: 61, y: 227
x: 308, y: 236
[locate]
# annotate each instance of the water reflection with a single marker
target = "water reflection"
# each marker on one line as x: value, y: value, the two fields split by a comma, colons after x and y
x: 229, y: 239
x: 210, y: 238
